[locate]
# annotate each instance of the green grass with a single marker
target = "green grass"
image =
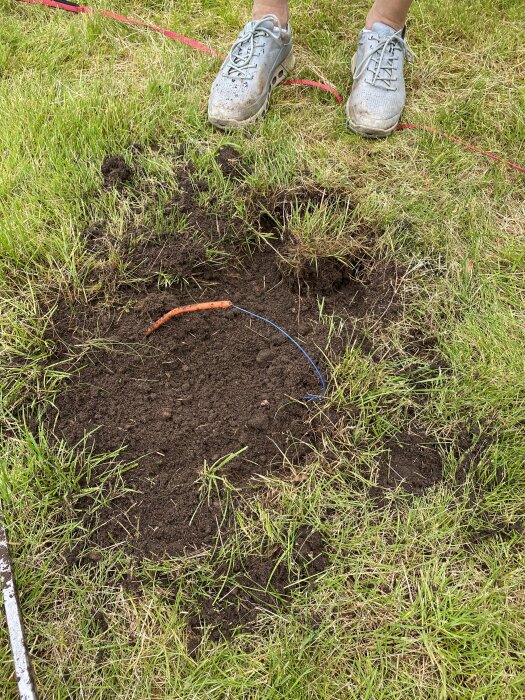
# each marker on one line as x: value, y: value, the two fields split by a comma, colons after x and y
x: 413, y: 604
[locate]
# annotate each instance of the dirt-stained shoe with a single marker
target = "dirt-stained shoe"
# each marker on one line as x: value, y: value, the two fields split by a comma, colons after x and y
x: 378, y: 92
x: 259, y: 60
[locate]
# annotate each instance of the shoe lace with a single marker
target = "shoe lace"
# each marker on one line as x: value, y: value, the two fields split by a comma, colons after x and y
x: 381, y: 59
x: 238, y: 64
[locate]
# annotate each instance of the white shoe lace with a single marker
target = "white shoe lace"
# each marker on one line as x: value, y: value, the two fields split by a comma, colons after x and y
x: 382, y: 65
x: 238, y: 64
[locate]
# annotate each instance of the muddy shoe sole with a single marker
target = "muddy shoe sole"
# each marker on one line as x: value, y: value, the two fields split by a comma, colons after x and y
x: 280, y: 73
x: 368, y: 132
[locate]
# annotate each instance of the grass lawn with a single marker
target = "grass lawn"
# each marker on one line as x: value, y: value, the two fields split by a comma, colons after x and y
x: 421, y: 590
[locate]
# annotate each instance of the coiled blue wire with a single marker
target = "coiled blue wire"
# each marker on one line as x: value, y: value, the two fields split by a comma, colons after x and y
x: 274, y: 325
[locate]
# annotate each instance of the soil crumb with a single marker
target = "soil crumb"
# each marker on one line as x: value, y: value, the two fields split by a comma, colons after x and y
x: 412, y: 461
x: 115, y: 171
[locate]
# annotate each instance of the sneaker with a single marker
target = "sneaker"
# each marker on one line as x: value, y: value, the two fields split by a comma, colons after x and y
x: 378, y: 91
x: 259, y: 60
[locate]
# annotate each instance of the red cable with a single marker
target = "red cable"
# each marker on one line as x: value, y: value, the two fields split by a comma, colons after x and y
x: 83, y: 9
x: 455, y: 139
x: 313, y: 83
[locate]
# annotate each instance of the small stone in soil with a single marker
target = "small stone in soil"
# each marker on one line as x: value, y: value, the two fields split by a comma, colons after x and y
x: 265, y: 356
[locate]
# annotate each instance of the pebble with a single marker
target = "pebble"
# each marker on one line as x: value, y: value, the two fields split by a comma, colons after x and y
x: 265, y: 356
x: 167, y: 414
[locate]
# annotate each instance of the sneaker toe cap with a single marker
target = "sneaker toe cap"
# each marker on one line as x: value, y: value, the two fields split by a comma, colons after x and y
x: 365, y: 120
x: 230, y: 106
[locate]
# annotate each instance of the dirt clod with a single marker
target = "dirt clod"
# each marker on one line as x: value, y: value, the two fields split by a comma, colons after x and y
x: 230, y: 162
x: 115, y: 171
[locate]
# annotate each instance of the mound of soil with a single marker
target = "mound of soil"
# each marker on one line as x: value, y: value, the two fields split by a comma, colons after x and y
x: 115, y: 171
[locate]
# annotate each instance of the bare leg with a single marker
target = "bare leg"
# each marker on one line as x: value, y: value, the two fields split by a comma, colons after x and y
x: 279, y: 8
x: 391, y: 12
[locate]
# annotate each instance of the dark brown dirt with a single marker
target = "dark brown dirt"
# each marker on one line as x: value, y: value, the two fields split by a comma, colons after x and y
x: 202, y: 387
x: 182, y: 258
x: 240, y: 591
x: 115, y: 171
x: 279, y: 205
x: 412, y: 461
x: 377, y: 295
x: 230, y: 162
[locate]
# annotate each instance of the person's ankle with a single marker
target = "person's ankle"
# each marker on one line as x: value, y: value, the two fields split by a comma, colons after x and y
x: 374, y: 17
x: 280, y: 11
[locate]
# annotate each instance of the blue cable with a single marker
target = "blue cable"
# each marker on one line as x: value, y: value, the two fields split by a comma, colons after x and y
x: 274, y: 325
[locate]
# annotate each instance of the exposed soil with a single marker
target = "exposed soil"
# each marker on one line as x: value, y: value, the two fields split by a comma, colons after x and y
x: 202, y: 387
x: 412, y: 461
x: 377, y: 295
x: 230, y: 162
x: 181, y: 257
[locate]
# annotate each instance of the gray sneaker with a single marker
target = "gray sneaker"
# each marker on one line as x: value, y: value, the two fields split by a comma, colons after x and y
x: 378, y: 91
x: 259, y: 60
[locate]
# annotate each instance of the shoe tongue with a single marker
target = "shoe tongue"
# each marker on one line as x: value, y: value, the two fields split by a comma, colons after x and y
x: 268, y: 22
x: 382, y: 29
